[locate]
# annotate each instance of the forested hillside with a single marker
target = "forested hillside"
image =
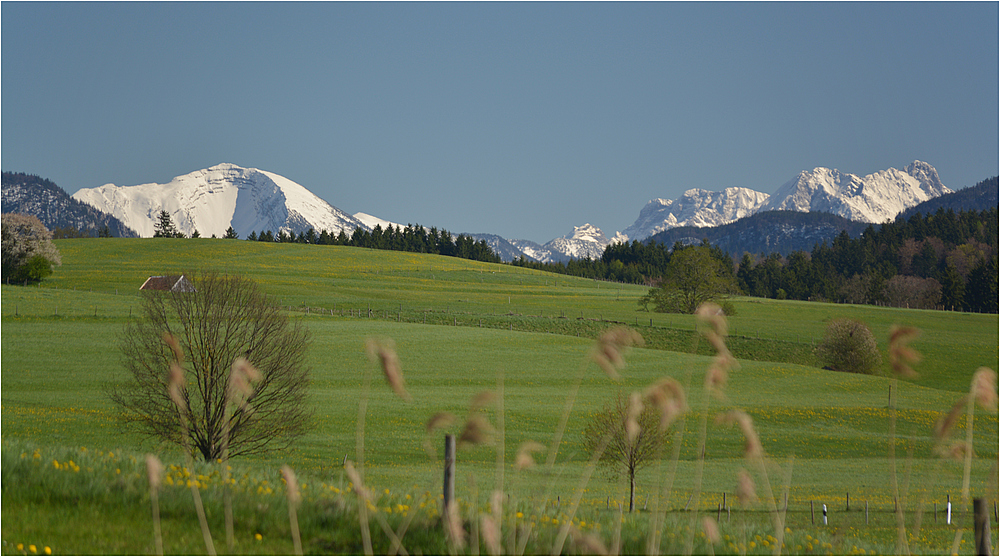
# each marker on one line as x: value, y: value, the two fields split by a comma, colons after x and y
x: 412, y: 238
x: 767, y: 232
x: 979, y: 197
x: 64, y: 216
x: 947, y: 260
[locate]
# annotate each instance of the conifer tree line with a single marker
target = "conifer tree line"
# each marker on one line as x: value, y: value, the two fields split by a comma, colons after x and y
x: 944, y: 260
x: 412, y: 238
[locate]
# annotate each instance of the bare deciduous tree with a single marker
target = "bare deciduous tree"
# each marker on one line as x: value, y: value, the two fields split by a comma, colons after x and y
x: 635, y: 437
x: 227, y: 318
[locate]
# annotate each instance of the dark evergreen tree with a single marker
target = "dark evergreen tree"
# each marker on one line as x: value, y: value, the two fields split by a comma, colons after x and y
x: 164, y: 227
x: 952, y: 288
x: 981, y: 287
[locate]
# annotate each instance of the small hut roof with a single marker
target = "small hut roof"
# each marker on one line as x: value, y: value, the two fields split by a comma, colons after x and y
x: 172, y: 283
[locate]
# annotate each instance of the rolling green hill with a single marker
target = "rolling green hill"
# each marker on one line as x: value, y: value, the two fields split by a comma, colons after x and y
x: 461, y: 327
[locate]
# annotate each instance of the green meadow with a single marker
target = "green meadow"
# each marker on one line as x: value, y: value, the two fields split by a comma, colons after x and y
x: 462, y: 327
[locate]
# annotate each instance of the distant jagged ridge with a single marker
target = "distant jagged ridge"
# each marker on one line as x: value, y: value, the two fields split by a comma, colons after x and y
x: 767, y: 232
x: 874, y: 198
x: 979, y: 197
x: 33, y: 195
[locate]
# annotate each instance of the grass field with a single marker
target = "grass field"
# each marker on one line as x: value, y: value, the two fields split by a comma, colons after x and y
x: 458, y: 327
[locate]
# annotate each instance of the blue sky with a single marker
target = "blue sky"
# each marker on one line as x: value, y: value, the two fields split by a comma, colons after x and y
x: 520, y: 119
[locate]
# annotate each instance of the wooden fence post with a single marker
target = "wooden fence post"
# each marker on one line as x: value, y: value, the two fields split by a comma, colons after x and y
x: 982, y: 526
x: 812, y: 513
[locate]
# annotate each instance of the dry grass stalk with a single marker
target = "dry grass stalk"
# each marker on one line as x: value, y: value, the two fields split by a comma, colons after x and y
x: 718, y: 375
x: 610, y: 346
x: 982, y: 380
x: 358, y: 486
x: 900, y: 354
x: 364, y: 498
x: 607, y: 353
x: 294, y: 498
x: 752, y: 448
x: 154, y: 469
x: 481, y: 400
x: 176, y: 391
x: 712, y: 315
x: 177, y: 383
x: 715, y: 329
x: 453, y: 528
x: 711, y: 529
x: 384, y: 352
x: 175, y: 347
x: 241, y: 380
x: 240, y: 390
x: 745, y: 489
x: 667, y: 395
x: 437, y: 421
x: 586, y: 544
x: 491, y: 534
x: 635, y: 408
x: 524, y: 459
x: 984, y: 389
x: 440, y: 420
x: 477, y: 431
x: 942, y: 428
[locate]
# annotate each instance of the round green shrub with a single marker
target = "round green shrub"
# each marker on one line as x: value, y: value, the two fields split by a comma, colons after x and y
x: 849, y: 345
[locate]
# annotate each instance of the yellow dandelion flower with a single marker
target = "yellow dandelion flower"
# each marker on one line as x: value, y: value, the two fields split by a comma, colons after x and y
x: 48, y: 550
x: 257, y: 536
x: 32, y: 548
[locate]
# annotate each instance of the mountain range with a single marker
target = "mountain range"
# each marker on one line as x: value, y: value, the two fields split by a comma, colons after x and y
x: 249, y: 200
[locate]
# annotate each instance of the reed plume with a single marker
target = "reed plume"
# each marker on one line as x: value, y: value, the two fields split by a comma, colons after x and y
x: 384, y: 352
x: 294, y: 498
x: 177, y: 395
x: 154, y: 469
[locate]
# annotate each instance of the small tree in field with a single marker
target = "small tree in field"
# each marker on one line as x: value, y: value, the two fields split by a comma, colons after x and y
x: 692, y: 277
x: 28, y: 251
x: 635, y: 438
x: 226, y: 323
x: 849, y: 345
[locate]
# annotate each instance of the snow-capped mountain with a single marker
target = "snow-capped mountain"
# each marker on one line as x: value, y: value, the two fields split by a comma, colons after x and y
x: 213, y: 199
x: 505, y: 249
x: 874, y: 198
x: 584, y: 241
x: 696, y: 207
x: 370, y: 221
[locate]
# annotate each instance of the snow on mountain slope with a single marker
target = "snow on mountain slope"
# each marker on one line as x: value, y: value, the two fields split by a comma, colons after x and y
x: 696, y: 207
x: 534, y: 251
x: 584, y: 241
x: 504, y: 248
x: 370, y: 221
x: 874, y: 198
x: 213, y: 199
